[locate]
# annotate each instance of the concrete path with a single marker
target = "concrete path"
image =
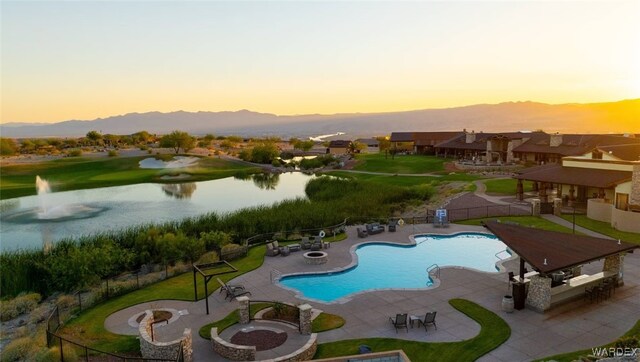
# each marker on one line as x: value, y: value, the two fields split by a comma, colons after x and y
x: 576, y: 325
x: 560, y: 221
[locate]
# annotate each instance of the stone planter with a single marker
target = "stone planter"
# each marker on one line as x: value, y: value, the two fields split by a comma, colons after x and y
x: 507, y: 304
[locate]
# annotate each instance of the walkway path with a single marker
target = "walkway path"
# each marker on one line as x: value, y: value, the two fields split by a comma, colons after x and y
x: 560, y: 221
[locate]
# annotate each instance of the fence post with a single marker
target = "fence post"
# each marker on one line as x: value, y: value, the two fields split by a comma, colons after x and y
x: 137, y: 280
x: 86, y: 353
x: 107, y: 288
x: 61, y: 350
x: 80, y: 300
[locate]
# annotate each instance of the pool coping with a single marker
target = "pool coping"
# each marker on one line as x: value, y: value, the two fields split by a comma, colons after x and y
x: 412, y: 242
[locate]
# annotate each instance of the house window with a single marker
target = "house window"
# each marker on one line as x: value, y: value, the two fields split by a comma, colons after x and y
x: 622, y: 201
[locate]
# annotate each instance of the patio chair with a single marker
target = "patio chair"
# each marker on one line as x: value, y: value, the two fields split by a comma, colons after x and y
x: 305, y: 243
x: 362, y: 233
x: 429, y: 318
x: 392, y: 226
x: 229, y: 288
x: 272, y: 250
x: 317, y: 245
x: 317, y: 239
x: 234, y: 293
x: 400, y: 322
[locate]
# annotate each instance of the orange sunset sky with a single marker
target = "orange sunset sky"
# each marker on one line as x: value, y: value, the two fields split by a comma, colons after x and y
x: 83, y: 60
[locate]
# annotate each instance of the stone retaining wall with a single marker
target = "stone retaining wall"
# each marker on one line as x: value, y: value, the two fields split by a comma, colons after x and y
x: 539, y: 295
x: 304, y: 353
x: 232, y: 351
x: 163, y: 350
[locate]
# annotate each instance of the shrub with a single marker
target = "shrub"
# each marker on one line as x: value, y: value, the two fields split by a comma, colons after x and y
x: 215, y: 240
x: 210, y: 257
x: 66, y: 301
x: 628, y: 342
x: 113, y: 153
x: 39, y: 314
x: 74, y: 153
x: 17, y: 350
x: 21, y: 304
x: 8, y: 311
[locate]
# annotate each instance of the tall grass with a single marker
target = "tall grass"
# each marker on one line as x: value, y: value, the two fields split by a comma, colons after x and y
x: 74, y: 263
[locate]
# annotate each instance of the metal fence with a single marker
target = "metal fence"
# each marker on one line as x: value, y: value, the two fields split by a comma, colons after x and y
x: 69, y: 350
x: 479, y: 212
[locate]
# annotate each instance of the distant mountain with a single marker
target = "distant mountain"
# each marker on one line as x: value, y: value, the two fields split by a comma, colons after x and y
x: 622, y: 116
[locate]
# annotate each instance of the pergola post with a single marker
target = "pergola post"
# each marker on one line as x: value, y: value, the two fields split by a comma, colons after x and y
x: 520, y: 190
x: 543, y: 192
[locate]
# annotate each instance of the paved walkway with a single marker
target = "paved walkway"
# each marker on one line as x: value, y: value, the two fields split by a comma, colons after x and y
x: 574, y: 326
x: 560, y: 221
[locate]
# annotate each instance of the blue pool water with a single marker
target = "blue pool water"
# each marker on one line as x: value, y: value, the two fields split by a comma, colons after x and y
x: 382, y: 265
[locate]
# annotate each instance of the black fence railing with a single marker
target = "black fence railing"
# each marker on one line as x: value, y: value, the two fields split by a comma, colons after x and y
x: 69, y: 350
x: 479, y: 212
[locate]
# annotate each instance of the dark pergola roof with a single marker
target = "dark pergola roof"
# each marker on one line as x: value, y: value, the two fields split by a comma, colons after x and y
x: 558, y: 174
x: 561, y: 250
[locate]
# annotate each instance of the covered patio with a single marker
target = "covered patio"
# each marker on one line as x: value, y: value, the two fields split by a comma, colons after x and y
x: 557, y: 259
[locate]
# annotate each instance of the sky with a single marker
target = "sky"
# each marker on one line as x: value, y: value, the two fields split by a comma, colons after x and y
x: 84, y: 60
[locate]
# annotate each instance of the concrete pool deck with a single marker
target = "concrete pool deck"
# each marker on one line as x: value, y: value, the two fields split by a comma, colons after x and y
x: 573, y: 326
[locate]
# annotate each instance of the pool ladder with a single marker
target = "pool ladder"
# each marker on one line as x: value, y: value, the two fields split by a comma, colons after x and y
x: 434, y: 268
x: 275, y: 275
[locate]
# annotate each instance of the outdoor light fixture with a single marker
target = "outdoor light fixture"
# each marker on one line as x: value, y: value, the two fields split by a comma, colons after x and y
x: 545, y: 261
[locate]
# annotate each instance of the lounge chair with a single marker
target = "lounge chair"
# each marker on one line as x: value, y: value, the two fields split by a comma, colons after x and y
x: 231, y: 289
x: 234, y: 293
x: 400, y: 322
x: 272, y: 250
x: 305, y: 243
x: 362, y: 233
x: 392, y: 226
x: 429, y: 318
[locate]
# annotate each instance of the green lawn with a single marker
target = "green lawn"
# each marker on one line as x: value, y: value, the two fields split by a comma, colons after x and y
x: 529, y: 221
x: 604, y: 228
x: 505, y: 186
x: 88, y: 327
x: 76, y: 173
x: 575, y: 356
x: 494, y: 331
x: 410, y: 164
x: 407, y: 180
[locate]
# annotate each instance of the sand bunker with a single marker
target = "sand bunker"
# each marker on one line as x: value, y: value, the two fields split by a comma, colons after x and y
x: 177, y: 162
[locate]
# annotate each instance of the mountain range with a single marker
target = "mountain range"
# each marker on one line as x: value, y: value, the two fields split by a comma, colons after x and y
x: 610, y: 117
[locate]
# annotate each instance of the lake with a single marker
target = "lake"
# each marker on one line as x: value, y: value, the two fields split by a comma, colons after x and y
x: 37, y: 221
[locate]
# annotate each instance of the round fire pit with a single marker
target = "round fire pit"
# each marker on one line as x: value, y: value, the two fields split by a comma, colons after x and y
x: 316, y: 257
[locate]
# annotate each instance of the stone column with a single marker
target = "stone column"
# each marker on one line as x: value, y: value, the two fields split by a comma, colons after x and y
x: 535, y: 207
x: 557, y: 206
x: 539, y: 295
x: 187, y: 345
x: 543, y: 191
x: 243, y: 310
x: 305, y: 318
x: 634, y: 198
x: 615, y: 263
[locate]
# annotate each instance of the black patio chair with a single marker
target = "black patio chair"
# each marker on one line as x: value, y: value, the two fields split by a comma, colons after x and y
x: 400, y: 322
x: 429, y: 318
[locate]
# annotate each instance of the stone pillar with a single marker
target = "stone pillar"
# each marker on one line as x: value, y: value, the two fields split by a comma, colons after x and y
x: 615, y: 263
x: 634, y: 198
x: 243, y: 310
x: 305, y: 318
x: 557, y: 206
x: 535, y: 207
x: 535, y: 186
x: 543, y: 191
x: 539, y: 295
x: 187, y: 345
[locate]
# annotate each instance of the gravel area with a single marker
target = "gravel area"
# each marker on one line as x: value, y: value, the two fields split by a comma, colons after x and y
x: 263, y: 339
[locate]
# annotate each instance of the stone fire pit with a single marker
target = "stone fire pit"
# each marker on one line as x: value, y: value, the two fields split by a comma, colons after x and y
x: 316, y: 257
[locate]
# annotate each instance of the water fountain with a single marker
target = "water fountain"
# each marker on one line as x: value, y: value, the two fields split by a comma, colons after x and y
x: 59, y: 212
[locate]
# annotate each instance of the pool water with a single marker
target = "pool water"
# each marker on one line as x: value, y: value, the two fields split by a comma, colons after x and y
x: 391, y: 266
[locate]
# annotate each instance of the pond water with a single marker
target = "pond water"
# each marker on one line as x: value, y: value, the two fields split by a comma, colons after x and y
x: 37, y: 221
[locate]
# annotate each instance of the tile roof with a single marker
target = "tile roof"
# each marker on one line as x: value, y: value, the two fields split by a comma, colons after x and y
x: 555, y: 173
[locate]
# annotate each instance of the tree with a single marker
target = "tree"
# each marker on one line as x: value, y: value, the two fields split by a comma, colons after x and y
x: 356, y: 147
x: 143, y: 137
x: 112, y: 140
x: 384, y: 144
x: 94, y: 136
x: 178, y: 140
x: 7, y: 147
x: 264, y: 152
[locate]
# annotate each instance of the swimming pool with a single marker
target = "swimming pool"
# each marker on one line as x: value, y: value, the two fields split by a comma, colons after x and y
x: 392, y: 266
